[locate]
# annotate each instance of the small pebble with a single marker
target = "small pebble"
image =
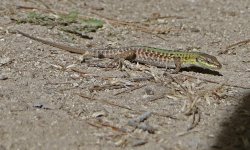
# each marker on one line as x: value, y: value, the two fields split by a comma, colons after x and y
x: 3, y: 77
x: 4, y: 60
x: 41, y: 105
x: 139, y: 142
x: 149, y: 91
x: 99, y: 114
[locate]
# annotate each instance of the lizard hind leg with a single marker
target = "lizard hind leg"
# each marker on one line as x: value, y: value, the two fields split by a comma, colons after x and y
x: 177, y: 63
x: 120, y: 59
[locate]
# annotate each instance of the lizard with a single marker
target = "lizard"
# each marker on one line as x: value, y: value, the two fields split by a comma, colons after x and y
x: 142, y: 54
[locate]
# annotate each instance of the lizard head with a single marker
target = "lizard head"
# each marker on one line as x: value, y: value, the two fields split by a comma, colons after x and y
x: 208, y: 61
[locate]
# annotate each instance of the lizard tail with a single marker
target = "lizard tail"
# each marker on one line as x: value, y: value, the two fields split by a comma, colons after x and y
x: 56, y: 45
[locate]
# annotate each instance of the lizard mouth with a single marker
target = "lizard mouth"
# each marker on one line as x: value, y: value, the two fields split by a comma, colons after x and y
x: 217, y: 66
x: 214, y: 66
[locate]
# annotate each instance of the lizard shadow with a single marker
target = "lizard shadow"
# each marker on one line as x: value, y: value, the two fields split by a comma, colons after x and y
x: 201, y: 70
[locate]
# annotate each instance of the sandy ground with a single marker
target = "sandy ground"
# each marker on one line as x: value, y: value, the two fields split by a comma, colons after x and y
x: 50, y: 99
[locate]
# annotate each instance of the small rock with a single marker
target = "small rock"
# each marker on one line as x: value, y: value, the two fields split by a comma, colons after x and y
x: 149, y: 91
x: 4, y: 60
x: 99, y: 114
x: 41, y: 105
x: 3, y: 77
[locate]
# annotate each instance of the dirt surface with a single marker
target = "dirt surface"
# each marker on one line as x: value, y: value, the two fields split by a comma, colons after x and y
x: 51, y: 99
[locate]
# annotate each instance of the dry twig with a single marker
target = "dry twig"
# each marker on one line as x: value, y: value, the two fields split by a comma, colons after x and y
x: 216, y: 82
x: 134, y: 25
x: 234, y: 45
x: 124, y: 107
x: 131, y: 89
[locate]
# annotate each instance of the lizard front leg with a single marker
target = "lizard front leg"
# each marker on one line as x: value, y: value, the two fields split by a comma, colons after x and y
x: 177, y: 62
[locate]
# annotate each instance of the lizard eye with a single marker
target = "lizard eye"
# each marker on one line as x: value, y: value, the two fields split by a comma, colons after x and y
x: 204, y: 60
x: 208, y: 60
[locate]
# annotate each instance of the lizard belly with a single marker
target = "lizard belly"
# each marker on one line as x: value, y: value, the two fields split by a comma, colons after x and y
x: 156, y: 62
